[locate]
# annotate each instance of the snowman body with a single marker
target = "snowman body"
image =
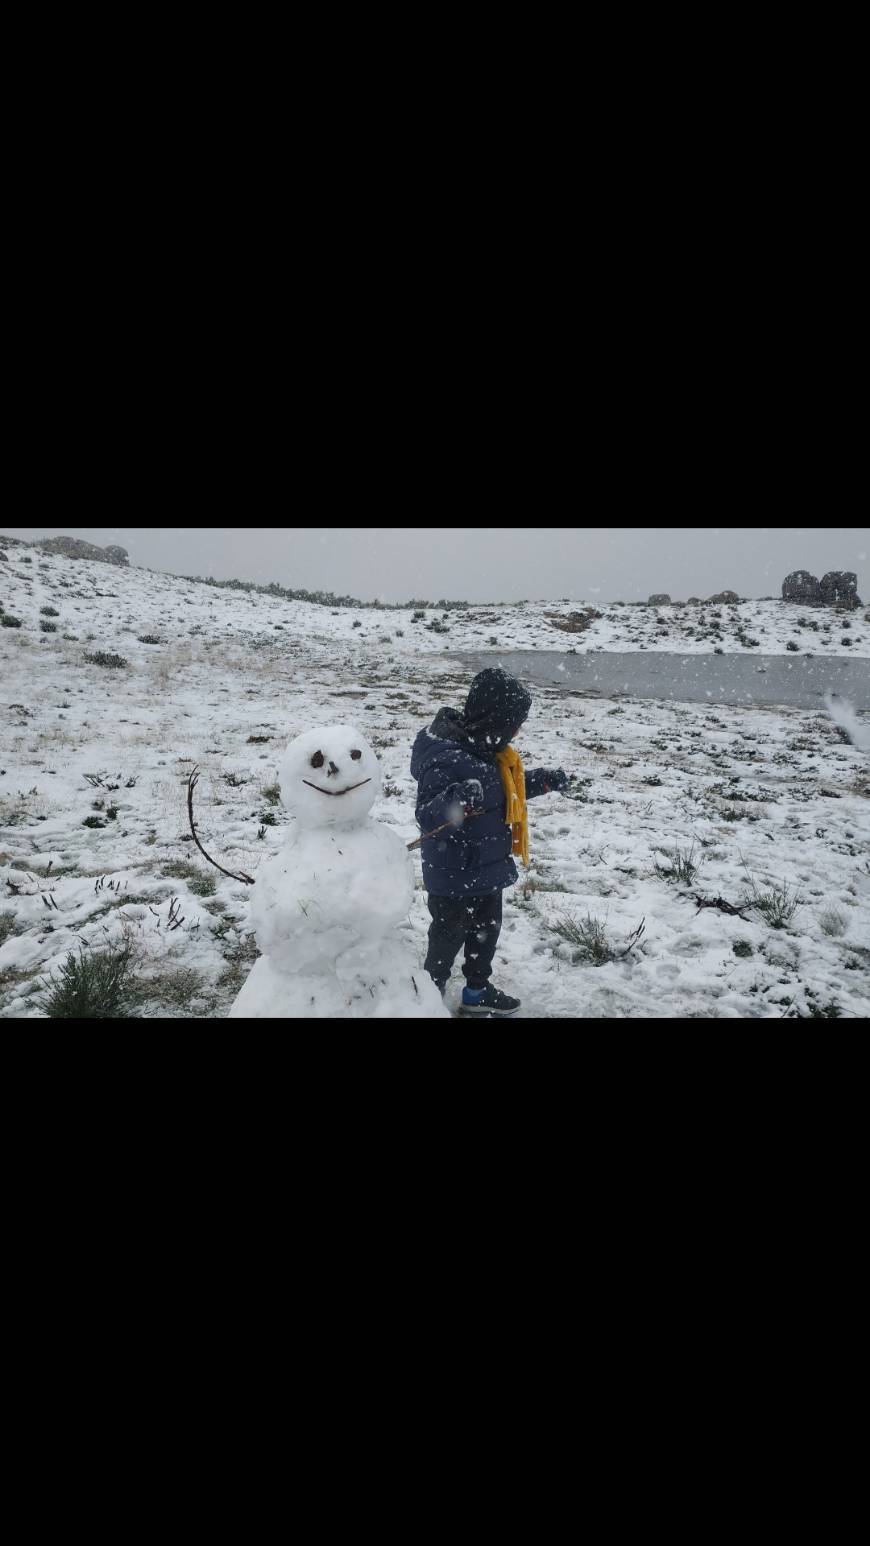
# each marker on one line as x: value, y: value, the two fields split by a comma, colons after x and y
x: 327, y: 907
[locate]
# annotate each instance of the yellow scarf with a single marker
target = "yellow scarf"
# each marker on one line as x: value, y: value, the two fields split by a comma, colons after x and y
x: 514, y: 779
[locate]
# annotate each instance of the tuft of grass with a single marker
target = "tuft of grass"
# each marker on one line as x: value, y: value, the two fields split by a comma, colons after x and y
x: 683, y: 866
x: 198, y: 883
x: 93, y: 821
x: 176, y: 988
x: 832, y: 922
x: 95, y: 985
x: 106, y: 659
x: 742, y: 948
x: 239, y: 958
x: 777, y: 906
x: 588, y: 938
x: 45, y: 627
x: 8, y: 621
x: 150, y: 638
x: 272, y: 793
x: 7, y: 926
x: 49, y: 612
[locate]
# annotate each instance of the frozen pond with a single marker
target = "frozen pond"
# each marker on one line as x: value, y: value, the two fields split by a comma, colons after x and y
x: 732, y: 679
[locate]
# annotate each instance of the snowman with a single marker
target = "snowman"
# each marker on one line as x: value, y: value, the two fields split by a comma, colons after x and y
x: 325, y: 908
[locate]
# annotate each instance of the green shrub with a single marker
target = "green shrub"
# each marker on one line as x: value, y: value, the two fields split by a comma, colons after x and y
x: 8, y: 621
x: 49, y: 612
x: 45, y: 627
x: 96, y: 985
x: 150, y: 638
x: 106, y: 659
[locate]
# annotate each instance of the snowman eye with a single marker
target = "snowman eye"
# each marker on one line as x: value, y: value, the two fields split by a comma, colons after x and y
x: 317, y: 760
x: 356, y: 756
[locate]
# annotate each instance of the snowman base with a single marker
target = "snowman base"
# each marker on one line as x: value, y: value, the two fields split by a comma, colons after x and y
x: 366, y: 984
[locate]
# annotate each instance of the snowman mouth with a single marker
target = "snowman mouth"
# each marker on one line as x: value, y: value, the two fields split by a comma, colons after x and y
x: 337, y: 791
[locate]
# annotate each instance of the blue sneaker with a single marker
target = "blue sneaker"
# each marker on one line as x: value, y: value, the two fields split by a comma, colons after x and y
x: 488, y: 1002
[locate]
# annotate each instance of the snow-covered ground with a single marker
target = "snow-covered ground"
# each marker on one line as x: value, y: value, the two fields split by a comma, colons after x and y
x: 772, y: 794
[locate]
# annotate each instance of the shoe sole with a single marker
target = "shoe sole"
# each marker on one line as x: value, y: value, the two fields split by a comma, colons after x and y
x: 488, y: 1014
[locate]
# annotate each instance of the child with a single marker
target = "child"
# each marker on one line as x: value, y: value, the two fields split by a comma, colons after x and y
x: 471, y: 804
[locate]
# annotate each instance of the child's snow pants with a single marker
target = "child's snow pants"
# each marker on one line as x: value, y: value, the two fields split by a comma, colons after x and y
x: 473, y: 921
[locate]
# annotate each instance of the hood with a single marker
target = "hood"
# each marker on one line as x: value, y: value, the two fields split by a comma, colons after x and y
x: 496, y: 707
x: 446, y: 726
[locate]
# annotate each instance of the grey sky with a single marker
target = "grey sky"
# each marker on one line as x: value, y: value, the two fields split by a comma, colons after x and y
x: 476, y: 563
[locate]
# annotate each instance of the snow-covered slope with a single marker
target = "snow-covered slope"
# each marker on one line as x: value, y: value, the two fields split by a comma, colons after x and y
x: 233, y: 676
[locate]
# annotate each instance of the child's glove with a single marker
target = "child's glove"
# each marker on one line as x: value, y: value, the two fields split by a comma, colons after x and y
x: 464, y: 798
x: 554, y: 778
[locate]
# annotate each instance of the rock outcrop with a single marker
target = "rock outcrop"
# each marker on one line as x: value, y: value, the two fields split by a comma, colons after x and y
x: 575, y: 622
x: 839, y: 588
x: 803, y: 587
x: 74, y: 547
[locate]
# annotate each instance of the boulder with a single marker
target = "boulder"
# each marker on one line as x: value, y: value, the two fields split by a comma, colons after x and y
x: 839, y: 588
x: 575, y: 622
x: 660, y: 599
x: 803, y: 587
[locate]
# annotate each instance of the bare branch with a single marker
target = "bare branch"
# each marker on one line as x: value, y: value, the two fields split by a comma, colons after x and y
x: 191, y: 785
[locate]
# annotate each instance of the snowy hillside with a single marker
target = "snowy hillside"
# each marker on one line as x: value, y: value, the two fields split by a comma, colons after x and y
x: 94, y: 758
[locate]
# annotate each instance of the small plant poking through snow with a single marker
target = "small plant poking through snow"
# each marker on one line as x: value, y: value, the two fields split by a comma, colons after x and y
x: 7, y: 926
x: 95, y: 985
x: 683, y: 866
x: 49, y: 612
x: 832, y: 922
x: 777, y: 906
x: 8, y: 621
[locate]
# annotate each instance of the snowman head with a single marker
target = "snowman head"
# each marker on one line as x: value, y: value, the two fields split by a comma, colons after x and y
x: 329, y: 777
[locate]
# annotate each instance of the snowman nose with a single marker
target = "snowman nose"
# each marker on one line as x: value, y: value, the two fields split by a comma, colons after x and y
x: 331, y: 769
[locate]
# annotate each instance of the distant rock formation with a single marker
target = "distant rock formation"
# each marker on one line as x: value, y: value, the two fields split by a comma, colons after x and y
x: 74, y: 547
x: 723, y: 598
x: 803, y: 587
x: 839, y: 588
x: 660, y: 599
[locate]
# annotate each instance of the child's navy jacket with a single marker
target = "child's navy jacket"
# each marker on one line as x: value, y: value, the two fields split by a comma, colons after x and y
x: 474, y: 859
